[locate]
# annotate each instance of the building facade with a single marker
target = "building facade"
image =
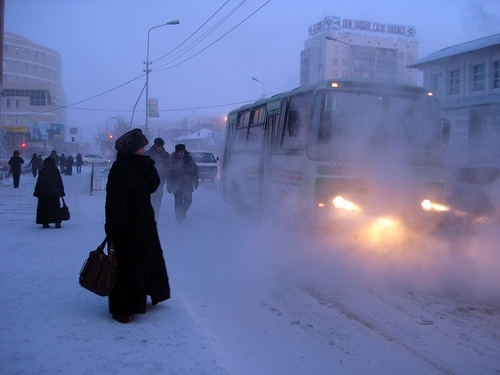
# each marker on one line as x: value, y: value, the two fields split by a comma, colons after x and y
x: 466, y: 79
x: 353, y: 48
x: 33, y: 100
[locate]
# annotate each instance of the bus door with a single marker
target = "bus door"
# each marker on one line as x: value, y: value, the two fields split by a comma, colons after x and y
x: 270, y: 129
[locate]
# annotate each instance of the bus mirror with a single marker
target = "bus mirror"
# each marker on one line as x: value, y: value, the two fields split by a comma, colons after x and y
x: 445, y: 131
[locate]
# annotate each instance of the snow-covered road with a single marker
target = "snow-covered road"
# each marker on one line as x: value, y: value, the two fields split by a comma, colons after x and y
x: 249, y: 297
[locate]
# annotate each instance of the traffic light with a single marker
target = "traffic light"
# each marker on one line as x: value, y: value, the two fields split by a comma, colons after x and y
x: 23, y: 145
x: 110, y: 136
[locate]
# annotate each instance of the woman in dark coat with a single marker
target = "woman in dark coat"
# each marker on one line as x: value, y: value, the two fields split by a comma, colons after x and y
x: 35, y: 164
x: 131, y: 230
x: 69, y: 166
x: 49, y: 189
x: 15, y: 163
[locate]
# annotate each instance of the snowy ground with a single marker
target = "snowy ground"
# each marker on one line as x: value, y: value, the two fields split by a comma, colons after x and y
x: 249, y: 297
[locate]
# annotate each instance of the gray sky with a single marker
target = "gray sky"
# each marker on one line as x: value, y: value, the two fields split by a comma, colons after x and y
x: 103, y: 44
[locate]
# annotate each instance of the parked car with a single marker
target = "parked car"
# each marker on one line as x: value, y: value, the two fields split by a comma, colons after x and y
x: 207, y: 164
x: 95, y: 159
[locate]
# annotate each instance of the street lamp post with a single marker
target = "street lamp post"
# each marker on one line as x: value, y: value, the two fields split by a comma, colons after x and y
x: 175, y: 22
x: 351, y: 59
x: 263, y: 87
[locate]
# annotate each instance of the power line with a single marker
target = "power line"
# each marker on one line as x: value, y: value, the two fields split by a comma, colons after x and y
x: 215, y: 41
x: 207, y: 33
x: 80, y: 102
x: 168, y: 110
x: 213, y: 15
x: 71, y: 106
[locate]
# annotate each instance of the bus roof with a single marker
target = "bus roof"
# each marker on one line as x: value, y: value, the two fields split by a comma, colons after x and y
x: 381, y: 86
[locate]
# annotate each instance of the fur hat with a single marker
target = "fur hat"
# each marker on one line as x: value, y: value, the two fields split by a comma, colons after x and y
x: 180, y: 147
x: 159, y: 142
x: 131, y: 141
x: 49, y: 162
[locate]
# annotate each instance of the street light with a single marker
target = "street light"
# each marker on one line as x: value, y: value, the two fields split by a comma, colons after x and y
x: 263, y: 87
x: 351, y: 59
x: 175, y: 22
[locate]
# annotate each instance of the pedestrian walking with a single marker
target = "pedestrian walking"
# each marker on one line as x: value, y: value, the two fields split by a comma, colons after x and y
x: 131, y: 230
x: 182, y: 180
x: 161, y: 157
x: 16, y: 163
x: 79, y: 163
x: 35, y: 164
x: 69, y: 166
x: 62, y: 163
x: 49, y: 189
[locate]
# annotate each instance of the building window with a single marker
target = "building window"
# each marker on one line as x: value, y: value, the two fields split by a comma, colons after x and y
x: 18, y: 103
x: 496, y: 74
x: 5, y: 48
x: 335, y: 73
x: 454, y: 82
x: 8, y: 103
x: 335, y: 61
x: 478, y: 77
x: 437, y: 83
x: 37, y: 97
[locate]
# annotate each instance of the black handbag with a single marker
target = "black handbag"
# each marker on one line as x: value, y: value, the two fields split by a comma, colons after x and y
x: 98, y: 273
x: 64, y: 211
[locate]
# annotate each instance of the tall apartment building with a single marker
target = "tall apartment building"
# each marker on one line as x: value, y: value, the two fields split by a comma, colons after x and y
x: 353, y: 48
x: 466, y: 79
x: 33, y: 100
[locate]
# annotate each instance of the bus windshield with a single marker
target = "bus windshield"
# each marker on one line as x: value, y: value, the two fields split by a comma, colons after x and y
x: 363, y: 126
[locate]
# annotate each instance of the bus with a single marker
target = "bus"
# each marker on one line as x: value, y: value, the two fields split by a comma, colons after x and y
x: 373, y: 148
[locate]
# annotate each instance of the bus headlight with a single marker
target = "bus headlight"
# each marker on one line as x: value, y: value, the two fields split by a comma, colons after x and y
x: 341, y: 203
x: 428, y: 205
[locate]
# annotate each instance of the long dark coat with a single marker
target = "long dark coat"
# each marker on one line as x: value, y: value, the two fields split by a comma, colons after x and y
x: 15, y: 162
x: 183, y: 174
x: 130, y: 224
x: 48, y: 189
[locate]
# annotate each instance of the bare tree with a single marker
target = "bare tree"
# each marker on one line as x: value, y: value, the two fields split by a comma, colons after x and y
x: 108, y: 132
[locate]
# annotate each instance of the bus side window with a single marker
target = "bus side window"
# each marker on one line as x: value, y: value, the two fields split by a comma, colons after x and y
x: 294, y: 132
x: 241, y: 131
x: 255, y: 129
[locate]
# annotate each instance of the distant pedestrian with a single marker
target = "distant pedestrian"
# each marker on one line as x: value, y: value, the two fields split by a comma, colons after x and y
x: 62, y: 163
x: 162, y: 160
x: 182, y: 180
x: 131, y: 230
x: 69, y: 166
x: 15, y: 163
x: 35, y: 164
x: 49, y: 189
x: 79, y: 163
x: 54, y: 156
